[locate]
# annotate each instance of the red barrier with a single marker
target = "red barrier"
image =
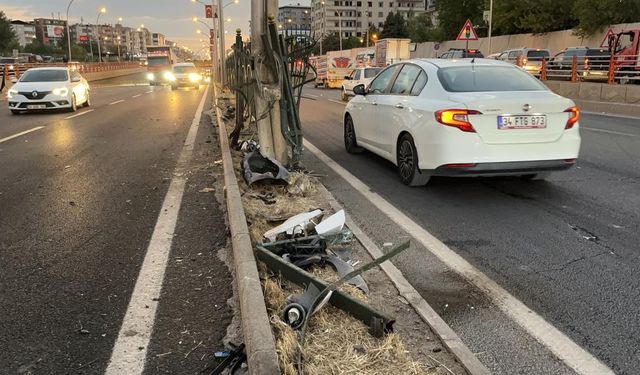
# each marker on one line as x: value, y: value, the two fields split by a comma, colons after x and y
x: 574, y: 69
x: 543, y: 70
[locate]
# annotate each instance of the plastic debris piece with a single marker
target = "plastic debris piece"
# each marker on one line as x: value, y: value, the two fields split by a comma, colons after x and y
x: 332, y: 225
x: 257, y: 167
x: 295, y: 225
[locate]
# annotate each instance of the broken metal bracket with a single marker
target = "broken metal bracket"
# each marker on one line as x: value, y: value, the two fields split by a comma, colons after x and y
x: 377, y: 322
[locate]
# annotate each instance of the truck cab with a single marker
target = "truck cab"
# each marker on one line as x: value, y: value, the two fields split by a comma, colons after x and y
x: 625, y: 48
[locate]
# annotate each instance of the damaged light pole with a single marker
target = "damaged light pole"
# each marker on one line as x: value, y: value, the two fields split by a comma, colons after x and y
x: 267, y: 95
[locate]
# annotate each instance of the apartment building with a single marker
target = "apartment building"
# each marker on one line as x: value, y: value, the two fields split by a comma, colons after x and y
x: 158, y: 39
x: 353, y: 18
x: 25, y: 31
x: 50, y: 31
x: 295, y: 16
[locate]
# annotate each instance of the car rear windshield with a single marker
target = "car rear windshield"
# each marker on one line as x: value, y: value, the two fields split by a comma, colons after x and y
x: 44, y: 76
x: 154, y: 61
x: 537, y: 55
x: 7, y: 61
x: 371, y: 72
x: 184, y: 69
x: 487, y: 78
x: 597, y: 52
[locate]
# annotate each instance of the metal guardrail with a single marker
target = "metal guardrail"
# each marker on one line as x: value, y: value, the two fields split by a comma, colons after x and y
x: 614, y: 69
x: 16, y: 70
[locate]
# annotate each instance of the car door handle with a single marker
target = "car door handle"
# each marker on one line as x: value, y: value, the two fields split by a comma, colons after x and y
x: 399, y: 106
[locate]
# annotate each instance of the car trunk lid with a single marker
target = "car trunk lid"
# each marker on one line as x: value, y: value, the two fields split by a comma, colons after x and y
x: 492, y: 105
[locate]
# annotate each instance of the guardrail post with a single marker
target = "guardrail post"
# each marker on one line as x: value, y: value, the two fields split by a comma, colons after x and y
x: 6, y: 73
x: 611, y: 75
x: 17, y: 71
x: 574, y: 69
x: 519, y: 61
x: 543, y: 70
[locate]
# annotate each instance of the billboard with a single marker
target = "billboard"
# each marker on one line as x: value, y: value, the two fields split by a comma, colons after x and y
x: 55, y: 31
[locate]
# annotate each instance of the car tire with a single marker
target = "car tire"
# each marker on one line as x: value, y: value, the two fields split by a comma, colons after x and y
x: 350, y: 140
x: 407, y: 160
x: 344, y: 96
x: 74, y: 105
x: 87, y: 103
x: 173, y: 88
x: 15, y: 112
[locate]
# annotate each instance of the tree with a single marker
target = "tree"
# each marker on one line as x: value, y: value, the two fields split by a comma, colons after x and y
x: 532, y: 16
x: 595, y: 15
x: 373, y: 35
x: 8, y: 38
x: 452, y: 15
x: 395, y: 26
x: 420, y: 28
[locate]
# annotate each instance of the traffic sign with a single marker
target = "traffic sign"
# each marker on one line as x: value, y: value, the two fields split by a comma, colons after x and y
x: 605, y: 42
x: 467, y: 32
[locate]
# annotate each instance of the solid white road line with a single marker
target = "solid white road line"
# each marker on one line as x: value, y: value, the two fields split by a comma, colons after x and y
x: 337, y: 101
x: 608, y: 132
x: 116, y: 102
x: 311, y: 95
x: 130, y: 350
x: 137, y: 96
x: 20, y: 134
x: 79, y: 114
x: 558, y: 343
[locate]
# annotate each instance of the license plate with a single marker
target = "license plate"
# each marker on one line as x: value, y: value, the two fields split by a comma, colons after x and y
x: 36, y: 106
x: 522, y: 122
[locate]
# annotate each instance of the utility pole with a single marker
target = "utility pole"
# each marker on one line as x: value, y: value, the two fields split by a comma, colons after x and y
x: 272, y: 142
x: 490, y: 23
x: 68, y: 33
x: 221, y: 43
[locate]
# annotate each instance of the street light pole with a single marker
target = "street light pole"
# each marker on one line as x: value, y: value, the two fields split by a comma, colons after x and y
x: 340, y: 28
x: 68, y: 33
x: 221, y: 42
x: 490, y: 22
x: 102, y: 10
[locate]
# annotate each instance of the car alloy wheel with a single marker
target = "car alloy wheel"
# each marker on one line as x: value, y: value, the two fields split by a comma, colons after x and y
x: 345, y: 97
x: 74, y: 106
x: 88, y: 102
x: 350, y: 142
x: 408, y: 163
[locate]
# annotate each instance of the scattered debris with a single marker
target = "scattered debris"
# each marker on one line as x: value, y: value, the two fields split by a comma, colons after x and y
x: 232, y: 362
x: 331, y: 225
x: 207, y: 190
x: 295, y: 225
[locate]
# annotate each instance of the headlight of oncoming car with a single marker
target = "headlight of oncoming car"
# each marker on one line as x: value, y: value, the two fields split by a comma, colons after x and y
x: 11, y: 93
x: 62, y: 91
x: 194, y: 77
x: 169, y: 76
x: 151, y: 76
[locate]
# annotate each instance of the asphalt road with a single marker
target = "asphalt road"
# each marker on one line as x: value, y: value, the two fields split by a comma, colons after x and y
x: 79, y: 200
x: 566, y: 247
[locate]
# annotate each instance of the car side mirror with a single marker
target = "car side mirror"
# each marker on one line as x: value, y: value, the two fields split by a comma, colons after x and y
x: 360, y: 90
x: 347, y: 78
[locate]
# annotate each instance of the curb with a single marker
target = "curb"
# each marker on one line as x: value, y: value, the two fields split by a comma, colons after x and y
x: 256, y: 329
x: 448, y: 337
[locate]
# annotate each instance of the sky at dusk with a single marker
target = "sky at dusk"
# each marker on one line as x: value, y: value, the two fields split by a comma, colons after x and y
x: 170, y: 17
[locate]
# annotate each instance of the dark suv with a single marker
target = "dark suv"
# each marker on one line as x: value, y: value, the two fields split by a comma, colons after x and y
x: 593, y: 63
x: 461, y: 53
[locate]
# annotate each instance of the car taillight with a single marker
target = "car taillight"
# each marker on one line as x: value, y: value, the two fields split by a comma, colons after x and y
x: 525, y: 61
x: 574, y: 117
x: 458, y: 118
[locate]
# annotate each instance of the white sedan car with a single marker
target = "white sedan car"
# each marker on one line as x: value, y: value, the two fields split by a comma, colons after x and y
x: 184, y: 74
x: 434, y: 117
x: 49, y: 88
x: 359, y: 76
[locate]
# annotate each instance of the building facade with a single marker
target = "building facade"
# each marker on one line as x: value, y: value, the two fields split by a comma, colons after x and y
x: 295, y: 16
x: 158, y: 39
x: 25, y: 31
x: 50, y: 32
x: 353, y: 18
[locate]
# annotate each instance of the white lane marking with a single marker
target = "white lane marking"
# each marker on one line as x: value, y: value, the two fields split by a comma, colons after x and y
x: 149, y: 92
x: 337, y: 101
x: 311, y: 95
x: 79, y: 114
x: 21, y: 134
x: 608, y: 132
x: 130, y: 350
x: 558, y: 343
x: 605, y: 114
x: 137, y: 96
x: 116, y: 102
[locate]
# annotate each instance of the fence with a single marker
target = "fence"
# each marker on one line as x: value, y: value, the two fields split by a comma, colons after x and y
x: 601, y: 68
